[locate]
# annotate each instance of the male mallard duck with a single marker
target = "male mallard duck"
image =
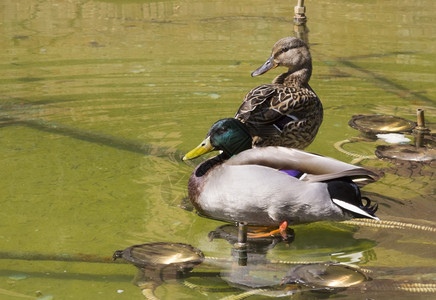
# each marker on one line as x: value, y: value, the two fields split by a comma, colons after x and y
x: 287, y: 112
x: 272, y: 186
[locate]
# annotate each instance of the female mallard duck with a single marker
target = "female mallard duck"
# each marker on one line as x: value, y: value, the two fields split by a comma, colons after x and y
x: 287, y: 112
x: 272, y: 186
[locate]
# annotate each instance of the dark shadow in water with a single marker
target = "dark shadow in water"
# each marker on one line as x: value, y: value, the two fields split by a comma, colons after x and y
x: 382, y: 200
x: 386, y: 84
x: 70, y: 276
x: 382, y: 82
x: 87, y: 258
x: 95, y: 137
x: 244, y: 18
x: 356, y: 57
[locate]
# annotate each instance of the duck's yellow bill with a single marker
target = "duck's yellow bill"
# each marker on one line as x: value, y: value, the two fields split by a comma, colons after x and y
x: 201, y: 149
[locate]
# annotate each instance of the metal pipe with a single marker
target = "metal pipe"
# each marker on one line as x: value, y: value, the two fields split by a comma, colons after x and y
x: 420, y: 118
x: 299, y: 11
x: 242, y: 232
x: 420, y: 130
x: 241, y: 245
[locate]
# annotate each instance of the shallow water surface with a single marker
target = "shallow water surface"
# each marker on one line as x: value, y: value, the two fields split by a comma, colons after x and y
x: 99, y: 100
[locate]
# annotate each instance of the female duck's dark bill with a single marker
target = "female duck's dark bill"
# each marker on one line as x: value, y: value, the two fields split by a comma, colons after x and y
x: 268, y: 65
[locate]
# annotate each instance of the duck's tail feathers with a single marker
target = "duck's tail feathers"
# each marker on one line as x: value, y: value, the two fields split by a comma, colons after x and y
x: 366, y: 211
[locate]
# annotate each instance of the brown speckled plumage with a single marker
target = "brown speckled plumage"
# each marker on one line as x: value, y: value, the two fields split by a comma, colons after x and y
x: 287, y: 112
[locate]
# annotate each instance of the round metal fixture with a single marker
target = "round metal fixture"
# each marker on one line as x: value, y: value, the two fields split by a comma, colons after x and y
x: 406, y: 153
x: 324, y: 276
x: 181, y: 256
x: 374, y: 124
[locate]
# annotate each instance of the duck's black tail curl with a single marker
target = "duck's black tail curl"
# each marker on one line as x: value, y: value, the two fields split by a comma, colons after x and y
x: 371, y: 209
x: 346, y: 194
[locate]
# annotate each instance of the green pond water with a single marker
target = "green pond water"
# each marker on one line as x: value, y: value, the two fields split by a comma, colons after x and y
x: 99, y: 100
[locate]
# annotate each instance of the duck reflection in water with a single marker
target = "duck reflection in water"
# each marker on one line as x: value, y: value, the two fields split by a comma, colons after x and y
x: 281, y: 277
x: 160, y: 263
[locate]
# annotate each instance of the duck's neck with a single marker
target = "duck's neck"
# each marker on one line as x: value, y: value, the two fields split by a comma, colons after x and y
x: 292, y: 78
x: 205, y: 166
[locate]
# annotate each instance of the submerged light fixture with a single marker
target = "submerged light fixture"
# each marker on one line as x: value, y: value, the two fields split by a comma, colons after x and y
x: 371, y: 125
x: 384, y: 126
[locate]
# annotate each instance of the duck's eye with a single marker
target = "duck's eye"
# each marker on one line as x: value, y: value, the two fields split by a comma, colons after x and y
x: 221, y: 130
x: 283, y: 50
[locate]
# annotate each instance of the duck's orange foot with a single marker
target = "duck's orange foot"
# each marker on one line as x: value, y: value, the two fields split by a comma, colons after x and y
x: 262, y: 234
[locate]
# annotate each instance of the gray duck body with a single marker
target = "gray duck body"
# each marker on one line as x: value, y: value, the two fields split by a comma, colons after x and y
x: 249, y: 187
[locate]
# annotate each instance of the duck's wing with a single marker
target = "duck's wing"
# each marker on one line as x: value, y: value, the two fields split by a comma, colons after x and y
x: 257, y: 112
x: 256, y: 101
x: 269, y: 103
x: 317, y: 168
x: 277, y: 114
x: 290, y: 159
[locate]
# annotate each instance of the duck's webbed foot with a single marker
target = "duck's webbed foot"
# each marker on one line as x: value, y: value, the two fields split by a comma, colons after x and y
x: 282, y: 228
x: 262, y: 233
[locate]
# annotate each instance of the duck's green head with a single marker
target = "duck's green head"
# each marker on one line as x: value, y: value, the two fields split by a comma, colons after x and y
x: 227, y: 135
